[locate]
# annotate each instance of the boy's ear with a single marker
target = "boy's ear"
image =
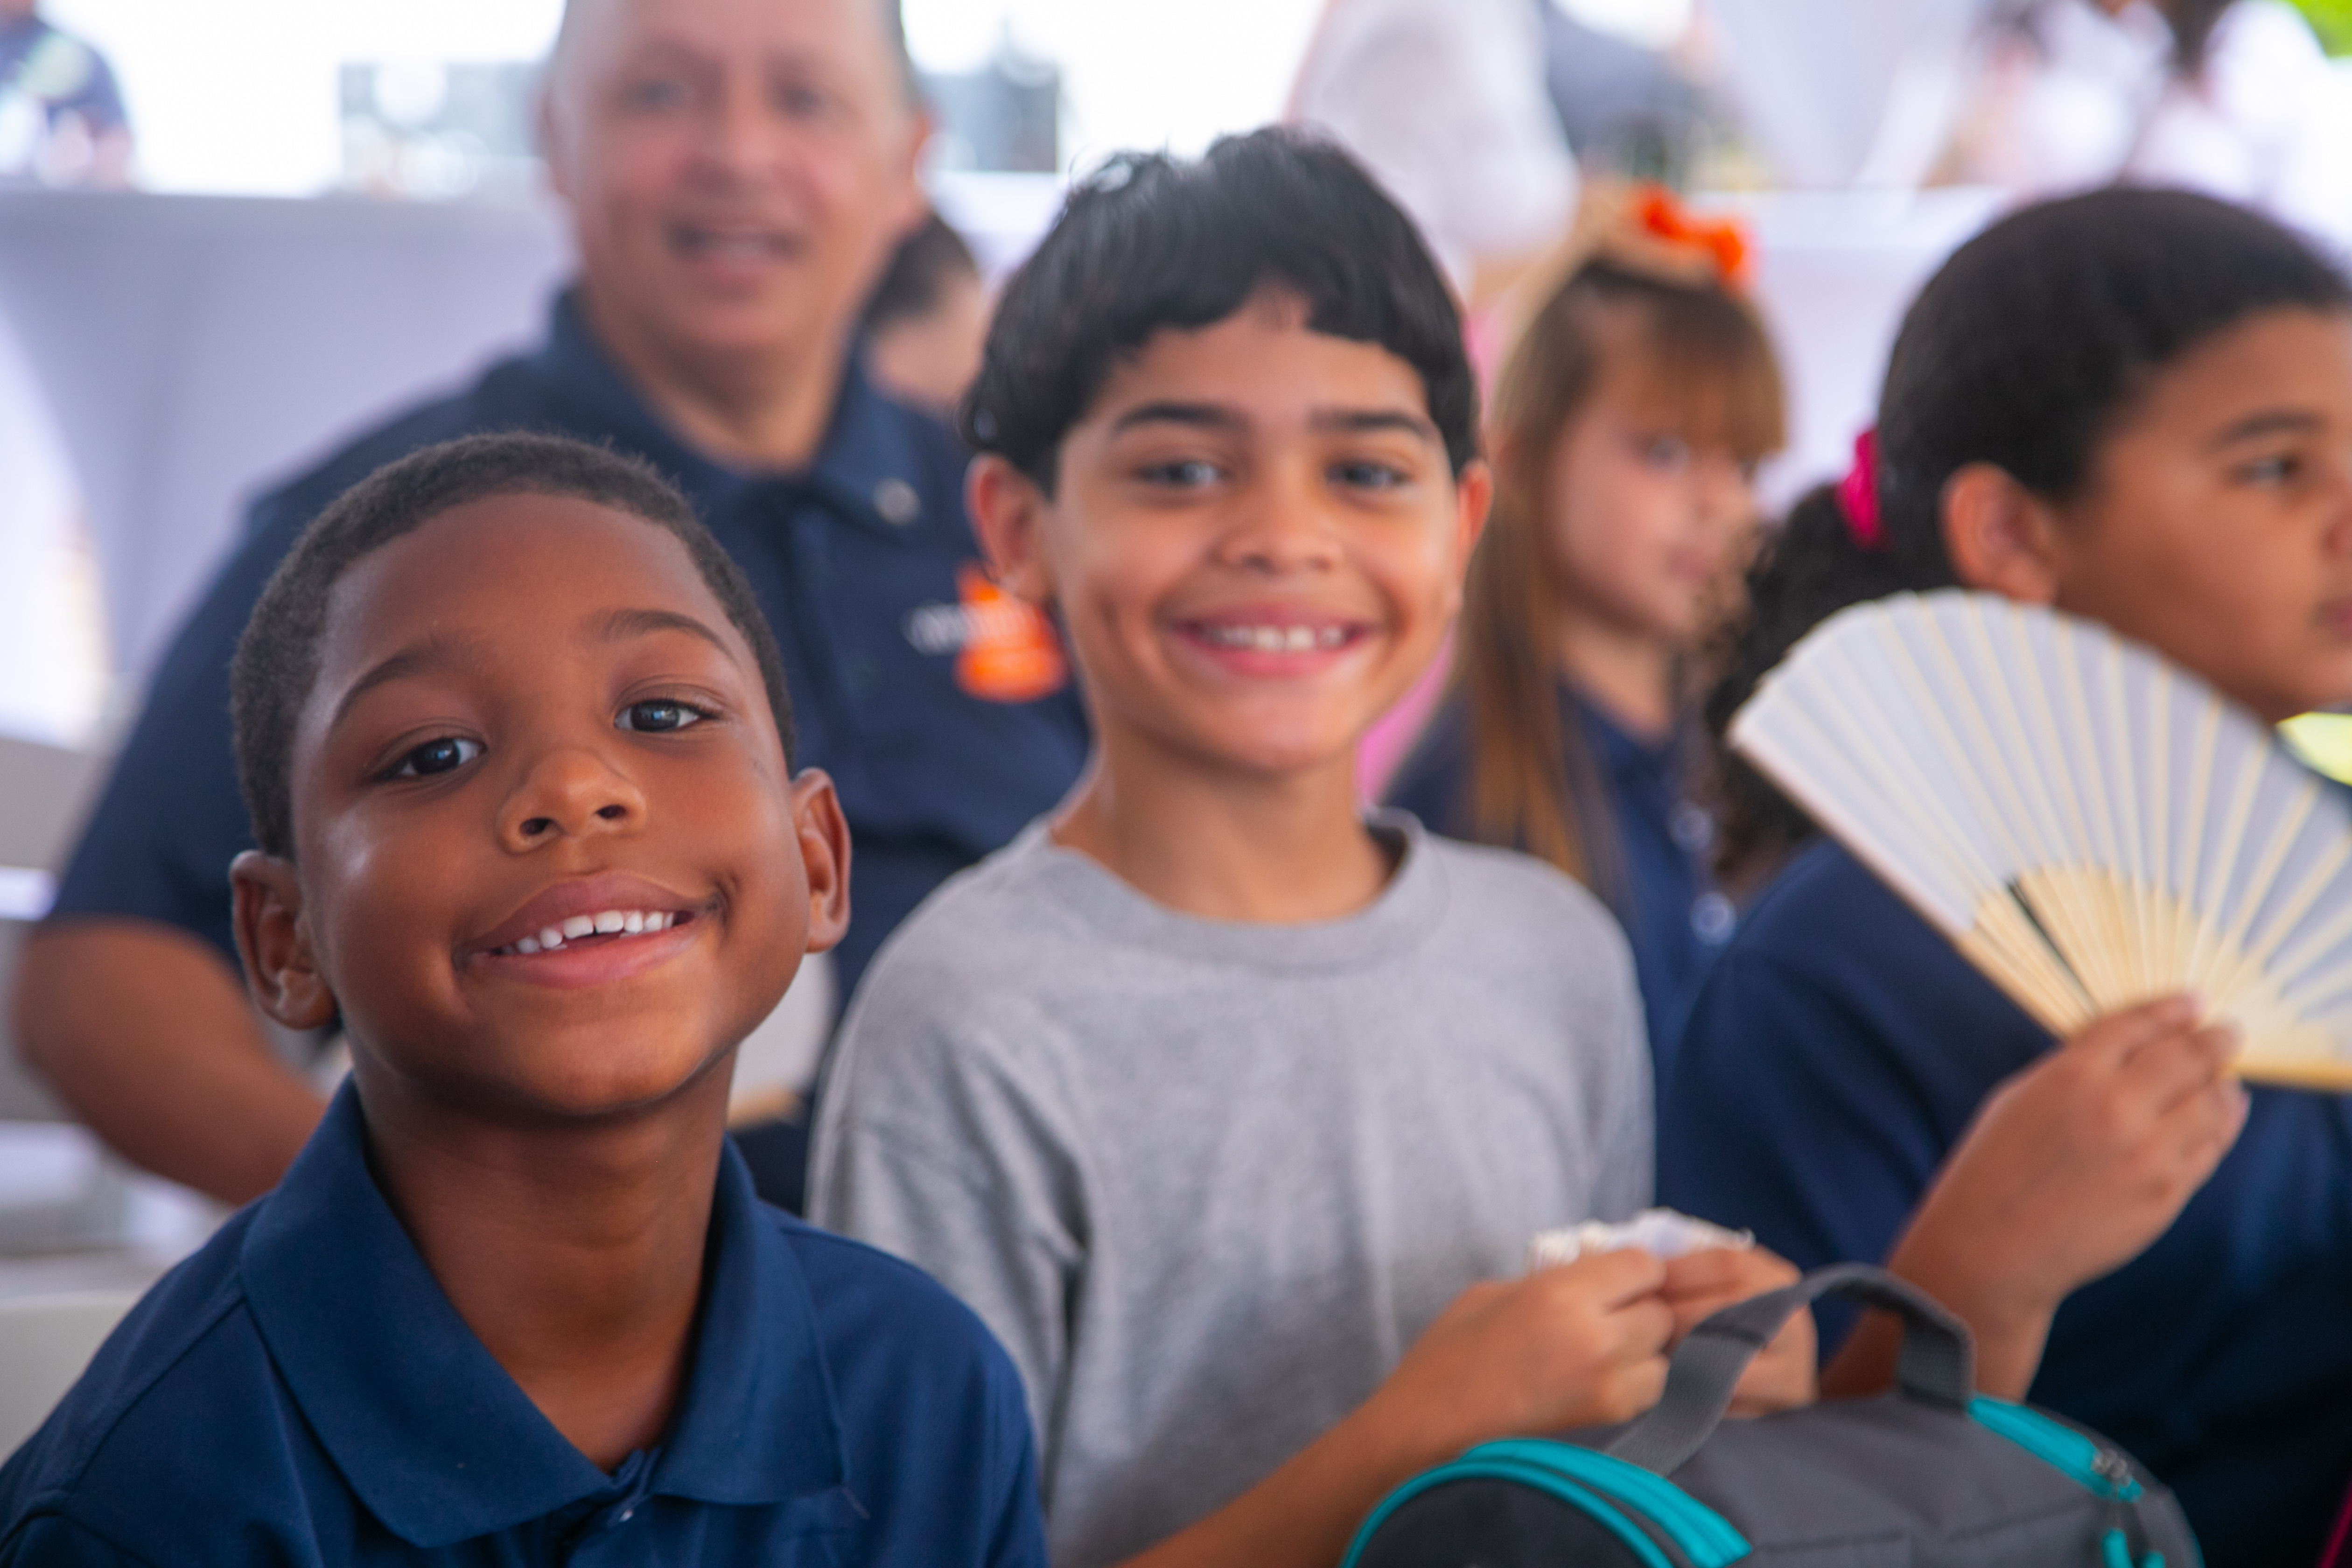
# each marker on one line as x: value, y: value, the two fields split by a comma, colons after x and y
x: 281, y: 970
x: 1999, y: 535
x: 1008, y: 514
x: 1473, y: 500
x: 823, y: 835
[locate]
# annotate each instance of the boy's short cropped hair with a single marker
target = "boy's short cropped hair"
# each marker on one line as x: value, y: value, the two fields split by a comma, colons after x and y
x: 278, y: 658
x: 1147, y: 242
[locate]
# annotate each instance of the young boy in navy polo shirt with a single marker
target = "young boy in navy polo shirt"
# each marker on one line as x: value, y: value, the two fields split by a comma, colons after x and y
x: 516, y: 744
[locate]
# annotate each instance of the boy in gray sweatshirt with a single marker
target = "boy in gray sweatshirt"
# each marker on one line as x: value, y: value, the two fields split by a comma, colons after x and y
x: 1231, y: 1109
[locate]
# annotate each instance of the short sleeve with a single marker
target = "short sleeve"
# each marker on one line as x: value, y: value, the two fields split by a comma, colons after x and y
x: 1018, y: 1540
x: 930, y: 1146
x: 171, y: 818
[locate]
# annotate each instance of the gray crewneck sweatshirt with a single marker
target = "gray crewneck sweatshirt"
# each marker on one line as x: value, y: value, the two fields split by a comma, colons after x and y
x: 1207, y: 1181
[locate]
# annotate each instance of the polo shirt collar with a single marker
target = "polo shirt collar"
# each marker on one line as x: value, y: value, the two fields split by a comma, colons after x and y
x: 862, y: 465
x: 430, y: 1432
x: 1622, y: 753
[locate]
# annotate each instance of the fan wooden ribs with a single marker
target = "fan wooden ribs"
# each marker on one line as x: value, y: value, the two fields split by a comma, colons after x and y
x: 2091, y: 825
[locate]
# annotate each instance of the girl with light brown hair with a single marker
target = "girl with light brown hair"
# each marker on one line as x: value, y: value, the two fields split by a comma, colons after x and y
x: 1629, y: 417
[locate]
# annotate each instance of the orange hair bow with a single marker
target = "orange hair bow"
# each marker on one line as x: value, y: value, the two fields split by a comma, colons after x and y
x: 1662, y: 216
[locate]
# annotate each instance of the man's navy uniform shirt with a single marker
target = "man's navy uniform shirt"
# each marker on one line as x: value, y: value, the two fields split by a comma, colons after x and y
x: 1654, y: 878
x: 300, y: 1392
x: 865, y: 566
x: 1834, y: 1058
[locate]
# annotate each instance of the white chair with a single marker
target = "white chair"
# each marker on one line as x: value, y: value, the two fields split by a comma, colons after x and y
x: 45, y: 1343
x: 43, y: 794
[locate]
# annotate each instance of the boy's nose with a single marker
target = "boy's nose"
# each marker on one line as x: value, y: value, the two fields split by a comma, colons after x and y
x: 2336, y: 540
x: 1285, y: 528
x: 569, y: 794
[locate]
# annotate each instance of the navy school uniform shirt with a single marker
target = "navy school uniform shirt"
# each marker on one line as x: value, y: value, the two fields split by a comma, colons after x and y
x: 1673, y: 918
x: 300, y: 1392
x: 865, y: 565
x: 1833, y: 1059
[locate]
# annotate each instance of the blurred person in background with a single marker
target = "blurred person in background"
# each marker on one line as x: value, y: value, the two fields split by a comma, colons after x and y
x: 1628, y: 419
x: 2043, y: 97
x: 926, y: 322
x: 2230, y: 97
x: 737, y: 174
x: 1445, y: 102
x: 1628, y: 110
x: 61, y: 116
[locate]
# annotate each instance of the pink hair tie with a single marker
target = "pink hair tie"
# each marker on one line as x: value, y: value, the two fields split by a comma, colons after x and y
x: 1857, y: 494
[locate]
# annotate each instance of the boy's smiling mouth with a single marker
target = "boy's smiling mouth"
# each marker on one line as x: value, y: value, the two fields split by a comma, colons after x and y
x: 588, y: 916
x: 1272, y: 641
x: 1276, y: 638
x: 578, y: 928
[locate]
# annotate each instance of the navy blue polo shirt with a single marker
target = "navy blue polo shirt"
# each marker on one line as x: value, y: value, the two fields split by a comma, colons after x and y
x: 865, y: 565
x: 300, y: 1392
x: 1834, y: 1058
x: 1657, y: 882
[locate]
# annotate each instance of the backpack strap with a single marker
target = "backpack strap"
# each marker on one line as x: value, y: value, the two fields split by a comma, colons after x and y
x: 1936, y: 1363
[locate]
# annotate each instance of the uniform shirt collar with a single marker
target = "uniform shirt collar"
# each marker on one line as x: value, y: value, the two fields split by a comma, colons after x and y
x: 1621, y: 753
x: 430, y: 1432
x: 861, y: 465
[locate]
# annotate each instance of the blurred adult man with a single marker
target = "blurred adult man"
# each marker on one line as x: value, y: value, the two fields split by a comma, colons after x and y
x: 738, y: 172
x: 61, y: 117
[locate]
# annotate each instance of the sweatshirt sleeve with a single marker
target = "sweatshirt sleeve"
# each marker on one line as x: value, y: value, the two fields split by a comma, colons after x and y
x: 933, y: 1143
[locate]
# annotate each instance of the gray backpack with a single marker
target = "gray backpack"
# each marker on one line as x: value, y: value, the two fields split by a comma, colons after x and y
x: 1930, y: 1475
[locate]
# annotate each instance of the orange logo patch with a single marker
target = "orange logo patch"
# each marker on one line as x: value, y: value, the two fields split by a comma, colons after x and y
x: 1006, y: 650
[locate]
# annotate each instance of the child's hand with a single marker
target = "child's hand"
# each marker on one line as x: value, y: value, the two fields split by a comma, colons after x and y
x: 1699, y: 1284
x: 1580, y: 1345
x: 2073, y: 1168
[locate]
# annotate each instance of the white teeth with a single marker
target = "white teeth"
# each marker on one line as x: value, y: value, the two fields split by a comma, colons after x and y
x: 1278, y: 640
x: 605, y: 922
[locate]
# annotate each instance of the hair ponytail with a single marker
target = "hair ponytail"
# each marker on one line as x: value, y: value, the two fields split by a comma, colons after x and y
x: 1810, y: 568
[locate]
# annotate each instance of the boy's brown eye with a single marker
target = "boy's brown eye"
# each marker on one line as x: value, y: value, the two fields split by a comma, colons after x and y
x: 443, y: 756
x: 660, y: 715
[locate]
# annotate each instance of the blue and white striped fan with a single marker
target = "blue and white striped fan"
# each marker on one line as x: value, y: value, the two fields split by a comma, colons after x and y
x: 2089, y: 824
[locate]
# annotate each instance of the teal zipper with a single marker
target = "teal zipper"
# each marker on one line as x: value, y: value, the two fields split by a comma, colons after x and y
x: 1700, y: 1533
x: 2101, y: 1470
x: 1536, y: 1478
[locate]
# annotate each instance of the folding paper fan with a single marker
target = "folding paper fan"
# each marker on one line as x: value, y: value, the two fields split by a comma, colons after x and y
x: 2089, y: 824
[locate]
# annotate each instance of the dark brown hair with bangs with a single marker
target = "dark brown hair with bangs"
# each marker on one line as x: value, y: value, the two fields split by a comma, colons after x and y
x: 1700, y: 348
